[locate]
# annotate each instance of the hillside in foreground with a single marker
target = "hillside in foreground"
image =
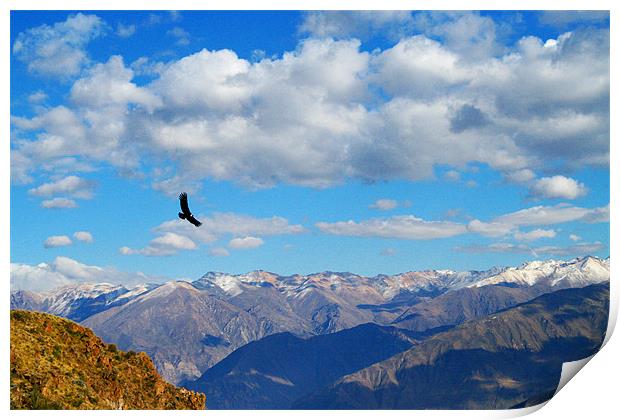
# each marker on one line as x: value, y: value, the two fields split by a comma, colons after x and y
x: 58, y: 364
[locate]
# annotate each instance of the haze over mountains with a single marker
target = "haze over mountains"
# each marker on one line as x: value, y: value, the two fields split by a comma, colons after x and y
x: 186, y: 328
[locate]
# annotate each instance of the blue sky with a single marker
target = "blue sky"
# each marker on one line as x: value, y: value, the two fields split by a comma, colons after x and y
x: 376, y: 142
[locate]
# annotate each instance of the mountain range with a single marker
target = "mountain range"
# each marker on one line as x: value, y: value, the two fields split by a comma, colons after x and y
x: 273, y: 372
x: 510, y: 359
x: 188, y: 327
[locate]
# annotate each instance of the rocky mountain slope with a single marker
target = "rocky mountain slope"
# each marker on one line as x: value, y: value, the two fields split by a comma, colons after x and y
x: 184, y: 330
x: 511, y: 358
x: 219, y: 312
x: 58, y: 364
x: 273, y: 372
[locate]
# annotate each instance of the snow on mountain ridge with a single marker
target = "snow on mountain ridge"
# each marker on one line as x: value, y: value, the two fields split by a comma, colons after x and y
x: 577, y: 272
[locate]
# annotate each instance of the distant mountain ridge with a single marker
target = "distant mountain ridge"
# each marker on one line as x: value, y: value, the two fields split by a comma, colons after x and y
x: 218, y: 313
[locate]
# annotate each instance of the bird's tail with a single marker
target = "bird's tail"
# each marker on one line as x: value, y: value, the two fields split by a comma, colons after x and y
x: 181, y: 216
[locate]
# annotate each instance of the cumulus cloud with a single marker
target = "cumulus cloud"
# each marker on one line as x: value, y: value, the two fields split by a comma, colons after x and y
x: 72, y: 185
x: 109, y: 84
x: 400, y: 227
x: 165, y: 245
x: 329, y: 111
x: 57, y: 241
x: 384, y: 204
x: 65, y: 271
x: 247, y: 242
x: 59, y: 203
x: 58, y: 50
x: 558, y: 187
x: 83, y: 236
x: 535, y: 234
x: 574, y: 237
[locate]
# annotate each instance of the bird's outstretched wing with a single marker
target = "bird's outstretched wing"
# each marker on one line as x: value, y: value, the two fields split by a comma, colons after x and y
x: 193, y: 221
x: 184, y: 205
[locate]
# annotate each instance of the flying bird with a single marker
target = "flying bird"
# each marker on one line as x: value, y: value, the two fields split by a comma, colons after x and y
x: 187, y: 215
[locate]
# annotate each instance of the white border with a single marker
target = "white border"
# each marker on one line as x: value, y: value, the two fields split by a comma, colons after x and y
x: 593, y: 394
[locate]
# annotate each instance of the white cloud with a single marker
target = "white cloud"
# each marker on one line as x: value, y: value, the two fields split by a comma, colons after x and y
x: 83, y: 236
x: 125, y: 31
x: 165, y: 245
x: 419, y: 66
x: 173, y: 185
x: 500, y: 247
x: 388, y: 252
x: 471, y: 36
x: 37, y: 97
x: 572, y: 250
x: 313, y: 116
x: 490, y: 229
x: 176, y: 235
x: 181, y: 35
x: 411, y: 227
x: 58, y: 50
x: 59, y: 203
x: 355, y: 23
x: 384, y: 204
x: 57, y: 241
x: 65, y: 271
x: 109, y: 84
x: 574, y: 237
x: 558, y: 186
x: 535, y: 234
x: 452, y: 176
x: 72, y: 185
x: 219, y: 252
x: 220, y: 224
x: 551, y: 215
x: 247, y: 242
x: 597, y: 215
x: 521, y: 176
x: 563, y: 18
x: 400, y: 227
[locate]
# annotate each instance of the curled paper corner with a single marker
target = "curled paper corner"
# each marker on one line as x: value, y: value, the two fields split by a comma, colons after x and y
x: 614, y: 302
x: 569, y: 370
x: 520, y: 412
